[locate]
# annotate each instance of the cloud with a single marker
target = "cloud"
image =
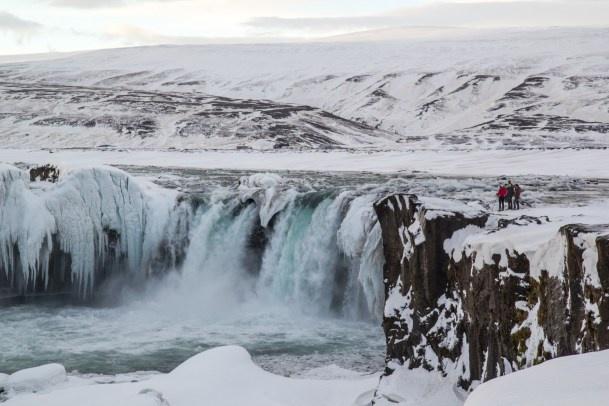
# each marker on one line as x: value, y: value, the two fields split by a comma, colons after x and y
x: 132, y: 35
x: 511, y: 13
x: 313, y: 25
x: 88, y: 4
x: 21, y: 28
x: 455, y: 13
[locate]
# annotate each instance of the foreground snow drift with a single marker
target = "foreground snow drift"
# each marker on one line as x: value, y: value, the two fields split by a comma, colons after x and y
x: 224, y: 376
x: 567, y: 381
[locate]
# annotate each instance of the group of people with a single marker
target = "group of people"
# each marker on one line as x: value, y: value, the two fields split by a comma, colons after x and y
x: 510, y: 193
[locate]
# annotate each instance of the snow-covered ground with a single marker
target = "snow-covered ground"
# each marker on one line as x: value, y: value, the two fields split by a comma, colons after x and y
x: 224, y: 376
x: 567, y: 381
x: 568, y: 162
x: 538, y: 240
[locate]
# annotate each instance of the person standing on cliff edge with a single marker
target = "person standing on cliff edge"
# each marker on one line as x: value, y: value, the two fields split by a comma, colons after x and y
x: 501, y: 194
x: 517, y: 193
x: 510, y: 195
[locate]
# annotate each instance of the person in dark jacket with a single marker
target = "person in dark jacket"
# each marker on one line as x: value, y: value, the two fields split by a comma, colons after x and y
x: 501, y: 194
x: 510, y: 195
x: 517, y: 193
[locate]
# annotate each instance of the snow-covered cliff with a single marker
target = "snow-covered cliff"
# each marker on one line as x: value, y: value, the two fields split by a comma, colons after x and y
x: 475, y: 295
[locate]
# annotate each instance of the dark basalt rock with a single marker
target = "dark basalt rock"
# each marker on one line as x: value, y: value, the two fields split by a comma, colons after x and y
x: 44, y: 173
x: 520, y: 121
x: 477, y: 323
x: 526, y: 89
x: 475, y: 82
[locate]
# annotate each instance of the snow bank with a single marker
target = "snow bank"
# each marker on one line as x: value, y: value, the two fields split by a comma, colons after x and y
x: 539, y: 240
x: 224, y: 376
x: 574, y: 380
x: 437, y: 207
x: 36, y: 379
x: 3, y: 382
x: 418, y: 387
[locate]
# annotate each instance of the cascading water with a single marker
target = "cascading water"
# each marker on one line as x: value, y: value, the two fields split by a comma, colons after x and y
x: 314, y: 250
x: 261, y: 262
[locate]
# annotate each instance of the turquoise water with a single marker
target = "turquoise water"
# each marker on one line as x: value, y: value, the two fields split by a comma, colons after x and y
x: 143, y: 337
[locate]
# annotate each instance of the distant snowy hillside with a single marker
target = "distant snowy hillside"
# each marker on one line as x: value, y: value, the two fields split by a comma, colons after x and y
x: 456, y: 89
x: 51, y: 116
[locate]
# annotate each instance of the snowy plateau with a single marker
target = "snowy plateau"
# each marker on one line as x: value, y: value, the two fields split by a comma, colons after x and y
x: 308, y: 223
x: 484, y: 89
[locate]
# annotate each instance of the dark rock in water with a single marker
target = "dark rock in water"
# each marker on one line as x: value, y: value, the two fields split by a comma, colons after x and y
x: 44, y: 173
x: 475, y: 320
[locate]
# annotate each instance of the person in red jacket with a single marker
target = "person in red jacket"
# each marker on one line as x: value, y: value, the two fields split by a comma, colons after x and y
x: 501, y: 194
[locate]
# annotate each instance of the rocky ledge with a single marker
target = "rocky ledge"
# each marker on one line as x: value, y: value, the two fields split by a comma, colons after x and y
x: 476, y: 295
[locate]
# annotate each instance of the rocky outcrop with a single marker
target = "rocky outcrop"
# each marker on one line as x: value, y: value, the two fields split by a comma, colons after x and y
x: 461, y: 300
x: 44, y: 173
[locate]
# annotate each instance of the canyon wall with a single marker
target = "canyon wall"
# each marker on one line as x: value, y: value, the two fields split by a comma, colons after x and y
x: 475, y: 295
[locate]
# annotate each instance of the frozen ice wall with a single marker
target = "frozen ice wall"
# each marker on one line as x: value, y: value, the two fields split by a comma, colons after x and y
x: 89, y: 217
x: 318, y: 250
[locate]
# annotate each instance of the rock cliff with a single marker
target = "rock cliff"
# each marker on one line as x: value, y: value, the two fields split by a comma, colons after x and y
x: 475, y: 295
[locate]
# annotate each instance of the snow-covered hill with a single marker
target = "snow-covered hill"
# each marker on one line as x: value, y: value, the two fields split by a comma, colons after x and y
x: 490, y: 89
x: 52, y: 116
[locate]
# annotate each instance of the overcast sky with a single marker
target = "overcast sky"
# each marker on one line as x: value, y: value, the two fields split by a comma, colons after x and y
x: 29, y: 26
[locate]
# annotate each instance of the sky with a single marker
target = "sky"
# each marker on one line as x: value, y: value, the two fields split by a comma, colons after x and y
x: 36, y: 26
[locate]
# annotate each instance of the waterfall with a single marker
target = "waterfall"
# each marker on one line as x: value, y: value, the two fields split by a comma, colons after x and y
x: 315, y: 249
